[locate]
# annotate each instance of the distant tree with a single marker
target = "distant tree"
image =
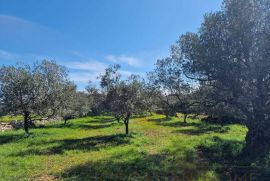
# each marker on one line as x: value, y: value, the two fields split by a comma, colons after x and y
x: 96, y: 99
x: 149, y: 96
x: 230, y: 54
x: 123, y: 97
x: 109, y: 82
x: 74, y: 104
x: 32, y: 91
x: 68, y: 102
x: 173, y: 90
x: 83, y: 107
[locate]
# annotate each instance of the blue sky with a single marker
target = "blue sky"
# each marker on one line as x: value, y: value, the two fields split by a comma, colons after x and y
x: 88, y: 35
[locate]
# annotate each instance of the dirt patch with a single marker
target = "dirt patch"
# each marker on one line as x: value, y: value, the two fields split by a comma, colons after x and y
x: 155, y: 133
x: 45, y: 178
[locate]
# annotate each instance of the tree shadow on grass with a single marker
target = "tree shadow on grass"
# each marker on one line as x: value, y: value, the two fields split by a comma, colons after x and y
x: 197, y: 128
x: 203, y: 129
x: 167, y: 122
x: 163, y: 166
x: 8, y: 138
x: 87, y: 144
x: 78, y: 126
x: 101, y: 120
x: 224, y: 156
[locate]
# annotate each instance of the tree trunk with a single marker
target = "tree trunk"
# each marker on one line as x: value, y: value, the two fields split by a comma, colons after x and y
x: 257, y: 139
x: 126, y: 125
x: 126, y: 121
x: 26, y: 126
x: 65, y: 121
x: 185, y: 118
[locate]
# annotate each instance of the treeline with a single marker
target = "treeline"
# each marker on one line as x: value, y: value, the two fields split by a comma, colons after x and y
x: 222, y: 71
x: 43, y: 90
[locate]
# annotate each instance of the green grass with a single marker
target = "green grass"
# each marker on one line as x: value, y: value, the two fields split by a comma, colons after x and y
x: 10, y: 118
x: 94, y: 148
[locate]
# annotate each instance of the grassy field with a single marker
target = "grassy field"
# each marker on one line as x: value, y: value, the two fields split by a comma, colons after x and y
x: 94, y: 148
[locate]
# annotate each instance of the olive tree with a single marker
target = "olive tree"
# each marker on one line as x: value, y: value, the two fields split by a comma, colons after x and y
x: 68, y: 102
x: 109, y: 82
x: 124, y: 98
x: 230, y: 54
x: 32, y: 91
x: 174, y: 92
x: 74, y: 103
x: 96, y: 98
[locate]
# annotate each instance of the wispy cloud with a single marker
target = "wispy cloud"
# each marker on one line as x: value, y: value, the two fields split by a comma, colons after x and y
x: 129, y: 60
x: 5, y: 55
x: 30, y: 37
x: 84, y: 72
x: 7, y: 19
x: 88, y: 66
x: 20, y: 23
x: 8, y: 57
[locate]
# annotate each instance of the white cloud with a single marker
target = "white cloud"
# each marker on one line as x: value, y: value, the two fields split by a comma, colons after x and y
x: 83, y: 72
x: 132, y: 61
x: 94, y: 66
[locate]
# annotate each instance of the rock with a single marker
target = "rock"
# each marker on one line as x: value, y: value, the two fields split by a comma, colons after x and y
x: 16, y: 124
x: 19, y: 124
x: 5, y: 127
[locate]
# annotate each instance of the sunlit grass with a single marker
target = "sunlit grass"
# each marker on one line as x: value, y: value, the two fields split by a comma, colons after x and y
x: 95, y: 148
x: 10, y: 118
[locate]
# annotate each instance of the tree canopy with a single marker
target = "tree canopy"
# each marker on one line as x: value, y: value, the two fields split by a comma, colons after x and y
x: 33, y: 91
x: 123, y: 97
x: 230, y: 55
